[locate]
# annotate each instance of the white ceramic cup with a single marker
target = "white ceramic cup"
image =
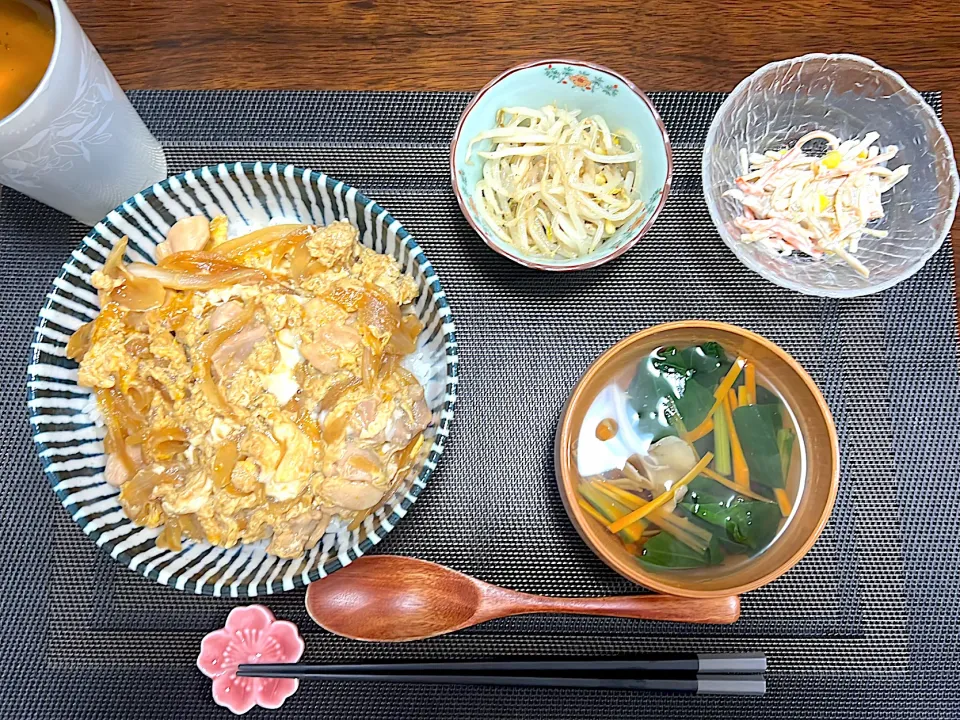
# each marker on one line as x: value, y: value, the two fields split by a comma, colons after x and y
x: 76, y: 144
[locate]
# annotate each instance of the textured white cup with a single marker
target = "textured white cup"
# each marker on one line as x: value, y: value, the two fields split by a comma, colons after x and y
x: 76, y: 144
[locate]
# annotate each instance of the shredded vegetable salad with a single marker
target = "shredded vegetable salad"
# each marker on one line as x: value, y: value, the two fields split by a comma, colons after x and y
x: 815, y: 205
x: 556, y: 185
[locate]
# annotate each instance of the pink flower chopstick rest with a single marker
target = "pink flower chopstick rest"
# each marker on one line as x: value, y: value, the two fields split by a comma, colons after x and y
x: 251, y: 635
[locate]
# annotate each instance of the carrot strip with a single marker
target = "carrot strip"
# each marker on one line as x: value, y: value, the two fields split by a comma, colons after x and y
x: 750, y: 382
x: 701, y: 431
x: 627, y: 498
x: 731, y: 485
x: 660, y: 517
x: 743, y: 397
x: 741, y: 473
x: 661, y: 499
x: 589, y: 510
x: 721, y: 392
x: 783, y: 501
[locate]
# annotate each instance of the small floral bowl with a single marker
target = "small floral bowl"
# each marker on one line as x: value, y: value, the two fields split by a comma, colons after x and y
x: 593, y: 89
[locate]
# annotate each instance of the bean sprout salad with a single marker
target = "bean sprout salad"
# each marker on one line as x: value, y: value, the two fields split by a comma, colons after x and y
x: 556, y: 185
x: 794, y: 202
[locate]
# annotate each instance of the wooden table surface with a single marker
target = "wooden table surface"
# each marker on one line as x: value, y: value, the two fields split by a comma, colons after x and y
x: 460, y: 45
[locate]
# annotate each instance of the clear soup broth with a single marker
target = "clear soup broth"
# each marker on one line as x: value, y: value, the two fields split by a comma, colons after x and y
x: 692, y: 457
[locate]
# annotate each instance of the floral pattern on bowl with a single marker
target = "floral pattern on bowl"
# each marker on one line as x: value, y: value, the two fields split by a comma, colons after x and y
x: 588, y: 83
x: 251, y: 635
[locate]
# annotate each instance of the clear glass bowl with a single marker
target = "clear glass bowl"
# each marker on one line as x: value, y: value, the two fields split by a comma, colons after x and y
x: 846, y: 95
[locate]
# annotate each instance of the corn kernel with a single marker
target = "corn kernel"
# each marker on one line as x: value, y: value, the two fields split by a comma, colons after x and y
x: 863, y: 154
x: 824, y: 202
x: 831, y: 159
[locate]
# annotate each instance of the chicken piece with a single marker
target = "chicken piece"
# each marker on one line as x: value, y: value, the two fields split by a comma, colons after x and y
x: 334, y: 245
x: 335, y: 346
x: 190, y: 233
x: 322, y: 357
x: 356, y: 481
x: 224, y: 313
x: 411, y: 417
x: 236, y: 348
x: 370, y: 418
x: 115, y: 472
x: 292, y: 538
x: 385, y: 272
x: 293, y: 472
x: 350, y: 495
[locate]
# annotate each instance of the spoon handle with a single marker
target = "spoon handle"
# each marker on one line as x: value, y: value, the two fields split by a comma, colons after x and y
x: 717, y: 611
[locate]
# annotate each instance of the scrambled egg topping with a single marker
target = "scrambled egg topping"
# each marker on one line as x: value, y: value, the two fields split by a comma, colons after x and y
x: 252, y: 388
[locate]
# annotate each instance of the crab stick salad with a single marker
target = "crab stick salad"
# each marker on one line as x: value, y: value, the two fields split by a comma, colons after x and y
x: 815, y: 205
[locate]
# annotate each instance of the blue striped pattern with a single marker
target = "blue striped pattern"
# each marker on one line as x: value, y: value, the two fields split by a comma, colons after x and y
x: 68, y: 431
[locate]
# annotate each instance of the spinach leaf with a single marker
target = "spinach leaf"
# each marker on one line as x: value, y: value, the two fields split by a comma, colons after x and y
x: 753, y: 523
x: 709, y: 363
x: 766, y: 396
x: 704, y: 444
x: 704, y: 490
x: 671, y: 360
x: 785, y: 438
x: 647, y: 394
x: 665, y: 551
x: 694, y: 403
x: 747, y: 522
x: 757, y: 427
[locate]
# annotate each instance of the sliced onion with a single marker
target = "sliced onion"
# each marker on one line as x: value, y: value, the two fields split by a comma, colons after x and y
x: 180, y: 280
x: 223, y: 463
x: 258, y: 239
x: 337, y: 391
x: 162, y: 444
x: 378, y: 312
x: 115, y: 258
x: 138, y: 490
x: 347, y: 297
x: 138, y: 294
x: 81, y: 341
x: 291, y: 241
x: 212, y: 340
x: 171, y: 536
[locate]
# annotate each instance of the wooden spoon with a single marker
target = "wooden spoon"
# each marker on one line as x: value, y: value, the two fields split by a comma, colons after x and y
x: 388, y: 598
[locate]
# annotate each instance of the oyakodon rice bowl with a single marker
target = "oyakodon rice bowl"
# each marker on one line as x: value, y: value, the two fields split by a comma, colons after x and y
x: 308, y: 216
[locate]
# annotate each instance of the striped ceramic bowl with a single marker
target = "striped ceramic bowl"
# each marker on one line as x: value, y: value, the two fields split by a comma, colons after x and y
x: 68, y: 430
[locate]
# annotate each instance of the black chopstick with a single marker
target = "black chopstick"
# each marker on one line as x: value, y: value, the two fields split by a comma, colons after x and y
x: 699, y: 685
x: 688, y: 663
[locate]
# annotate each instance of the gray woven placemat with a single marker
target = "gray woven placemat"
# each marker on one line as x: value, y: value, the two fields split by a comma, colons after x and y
x: 865, y: 626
